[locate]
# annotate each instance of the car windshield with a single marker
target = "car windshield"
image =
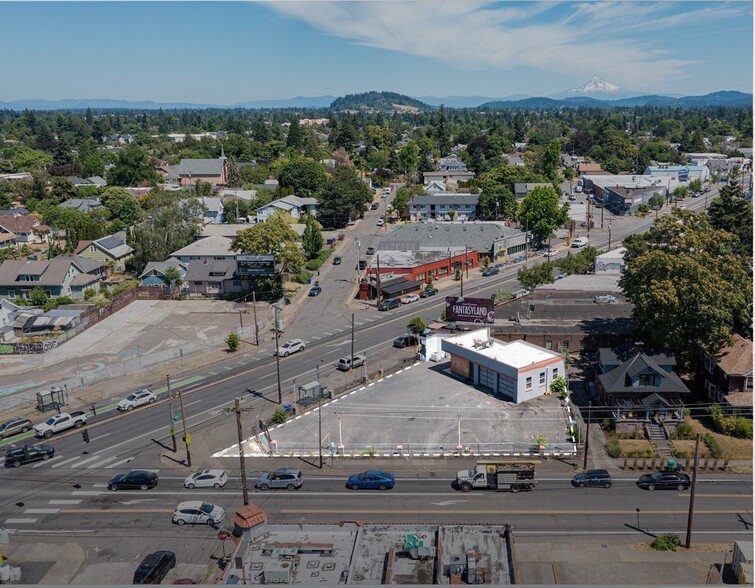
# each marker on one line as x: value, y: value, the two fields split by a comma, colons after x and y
x: 472, y: 472
x: 50, y: 421
x: 131, y: 397
x: 206, y: 507
x: 656, y: 476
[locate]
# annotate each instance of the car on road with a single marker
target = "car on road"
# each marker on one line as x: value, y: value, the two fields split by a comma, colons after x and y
x: 374, y: 205
x: 405, y: 341
x: 290, y: 346
x: 572, y: 198
x: 380, y: 222
x: 664, y: 481
x: 429, y: 291
x: 371, y: 480
x: 136, y: 399
x: 592, y: 478
x: 155, y: 567
x: 389, y: 303
x: 206, y: 479
x: 14, y: 427
x: 549, y: 252
x: 605, y: 299
x: 288, y: 478
x: 197, y: 512
x: 17, y: 456
x: 409, y: 298
x: 315, y: 291
x: 490, y: 271
x: 337, y: 260
x: 133, y: 480
x: 370, y: 251
x: 384, y: 194
x: 362, y: 264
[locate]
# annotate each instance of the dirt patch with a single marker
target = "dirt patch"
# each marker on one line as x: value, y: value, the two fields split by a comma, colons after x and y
x: 635, y: 446
x: 732, y: 447
x: 694, y: 548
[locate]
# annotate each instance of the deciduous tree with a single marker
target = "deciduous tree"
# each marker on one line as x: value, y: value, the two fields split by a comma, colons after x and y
x: 541, y: 214
x: 273, y: 237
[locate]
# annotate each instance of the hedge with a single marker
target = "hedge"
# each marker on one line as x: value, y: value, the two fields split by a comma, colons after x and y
x: 322, y: 256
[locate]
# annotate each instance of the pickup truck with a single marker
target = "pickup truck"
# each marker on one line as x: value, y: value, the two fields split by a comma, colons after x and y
x: 346, y: 363
x: 60, y: 422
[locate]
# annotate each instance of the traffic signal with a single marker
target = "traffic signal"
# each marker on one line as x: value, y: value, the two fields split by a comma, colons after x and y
x: 85, y: 435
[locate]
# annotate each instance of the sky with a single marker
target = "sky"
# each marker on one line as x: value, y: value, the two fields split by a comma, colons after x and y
x: 230, y: 52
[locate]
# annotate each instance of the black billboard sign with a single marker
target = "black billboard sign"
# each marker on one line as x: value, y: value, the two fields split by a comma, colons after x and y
x: 256, y: 265
x: 469, y: 310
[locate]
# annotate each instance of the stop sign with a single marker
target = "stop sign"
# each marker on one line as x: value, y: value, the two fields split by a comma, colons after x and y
x: 222, y: 535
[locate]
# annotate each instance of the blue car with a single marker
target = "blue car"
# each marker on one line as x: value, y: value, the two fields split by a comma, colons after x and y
x: 371, y: 480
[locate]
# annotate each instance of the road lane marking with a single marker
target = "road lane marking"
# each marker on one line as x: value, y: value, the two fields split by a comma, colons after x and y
x: 68, y: 502
x: 115, y: 510
x: 69, y: 460
x: 41, y: 463
x: 41, y: 511
x: 17, y: 521
x: 721, y: 495
x: 118, y: 463
x: 102, y: 463
x: 83, y: 461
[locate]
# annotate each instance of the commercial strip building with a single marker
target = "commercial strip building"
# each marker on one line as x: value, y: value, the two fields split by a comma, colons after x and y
x: 420, y: 264
x: 624, y: 194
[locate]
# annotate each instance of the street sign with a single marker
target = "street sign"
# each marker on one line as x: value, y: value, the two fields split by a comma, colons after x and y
x: 188, y: 439
x: 172, y: 431
x: 222, y: 535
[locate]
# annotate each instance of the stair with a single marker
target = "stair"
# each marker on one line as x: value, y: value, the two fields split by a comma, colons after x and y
x: 657, y: 437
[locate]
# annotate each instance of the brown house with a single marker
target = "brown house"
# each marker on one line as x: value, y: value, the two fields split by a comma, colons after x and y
x: 727, y: 378
x: 213, y: 171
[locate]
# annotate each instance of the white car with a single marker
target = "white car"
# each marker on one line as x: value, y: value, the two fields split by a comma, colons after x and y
x: 196, y: 511
x: 409, y: 298
x: 206, y: 479
x: 291, y: 346
x: 136, y: 399
x: 549, y: 252
x: 380, y: 222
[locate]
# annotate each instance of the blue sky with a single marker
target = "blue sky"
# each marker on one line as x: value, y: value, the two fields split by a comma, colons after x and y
x: 228, y: 52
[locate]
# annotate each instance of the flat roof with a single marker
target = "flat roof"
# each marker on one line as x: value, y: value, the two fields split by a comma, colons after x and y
x: 517, y: 354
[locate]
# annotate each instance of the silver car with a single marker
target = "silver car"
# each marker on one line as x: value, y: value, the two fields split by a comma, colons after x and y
x: 288, y: 478
x: 291, y: 346
x: 206, y: 479
x: 196, y: 511
x: 136, y: 399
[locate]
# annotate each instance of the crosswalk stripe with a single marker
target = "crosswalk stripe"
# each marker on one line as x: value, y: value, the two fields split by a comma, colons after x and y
x: 119, y: 463
x: 65, y: 502
x: 100, y: 464
x: 69, y: 460
x: 41, y: 463
x: 83, y: 461
x: 41, y: 510
x: 17, y: 521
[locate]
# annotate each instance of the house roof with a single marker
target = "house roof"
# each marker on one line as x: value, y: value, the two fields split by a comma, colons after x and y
x: 157, y: 268
x: 200, y: 167
x: 5, y: 237
x: 22, y: 224
x: 240, y: 194
x: 85, y: 264
x: 622, y: 353
x: 527, y: 187
x: 50, y: 272
x: 209, y: 246
x: 82, y: 204
x: 114, y: 245
x: 618, y: 380
x: 97, y: 181
x: 210, y: 270
x: 736, y: 359
x: 398, y: 286
x: 740, y: 399
x: 589, y: 167
x: 14, y: 211
x: 448, y: 173
x: 440, y: 199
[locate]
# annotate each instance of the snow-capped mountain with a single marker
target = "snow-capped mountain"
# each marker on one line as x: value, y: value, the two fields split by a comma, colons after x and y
x: 600, y: 89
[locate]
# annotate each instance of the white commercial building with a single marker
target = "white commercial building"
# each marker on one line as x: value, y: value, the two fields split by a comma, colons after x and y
x: 517, y: 370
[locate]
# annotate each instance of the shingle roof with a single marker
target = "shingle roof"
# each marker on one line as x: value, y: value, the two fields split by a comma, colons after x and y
x: 737, y: 358
x: 85, y: 264
x: 115, y: 245
x: 209, y: 246
x: 51, y: 273
x: 201, y: 271
x: 82, y: 204
x: 159, y: 267
x: 440, y: 199
x: 615, y: 381
x: 200, y: 167
x: 21, y: 224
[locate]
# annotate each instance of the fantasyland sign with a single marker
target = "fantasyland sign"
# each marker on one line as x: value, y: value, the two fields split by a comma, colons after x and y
x: 469, y: 310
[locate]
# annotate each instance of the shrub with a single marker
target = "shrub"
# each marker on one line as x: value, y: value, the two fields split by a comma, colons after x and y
x: 614, y: 448
x: 558, y: 386
x: 648, y: 453
x: 38, y: 296
x: 280, y: 416
x: 683, y: 431
x: 319, y: 259
x: 743, y: 428
x: 729, y: 425
x: 680, y: 454
x: 302, y: 277
x: 607, y: 424
x: 88, y: 293
x: 667, y: 542
x: 232, y: 340
x: 713, y: 446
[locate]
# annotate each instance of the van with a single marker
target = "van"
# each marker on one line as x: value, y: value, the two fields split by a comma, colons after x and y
x: 580, y: 242
x: 390, y: 303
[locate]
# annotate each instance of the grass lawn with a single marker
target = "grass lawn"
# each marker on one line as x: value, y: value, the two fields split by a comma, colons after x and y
x: 732, y: 447
x: 634, y: 445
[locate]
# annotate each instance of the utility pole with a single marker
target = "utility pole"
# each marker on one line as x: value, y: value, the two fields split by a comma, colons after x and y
x: 466, y: 259
x: 527, y: 238
x: 171, y: 428
x: 256, y: 328
x: 587, y: 433
x: 609, y: 235
x: 352, y: 342
x: 378, y: 278
x: 692, y: 493
x: 461, y: 274
x: 601, y: 211
x: 238, y: 410
x: 319, y: 427
x: 187, y: 438
x: 356, y: 243
x: 277, y: 357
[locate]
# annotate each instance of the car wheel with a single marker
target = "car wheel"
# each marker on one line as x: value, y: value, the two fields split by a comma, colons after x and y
x: 680, y: 487
x: 144, y: 487
x: 264, y: 487
x: 190, y: 486
x: 129, y: 408
x: 48, y: 434
x: 180, y: 522
x: 290, y: 487
x: 581, y: 484
x: 515, y: 489
x: 151, y: 400
x: 651, y: 486
x: 216, y: 485
x: 465, y: 488
x: 354, y: 487
x: 285, y: 354
x: 24, y: 429
x: 16, y: 464
x: 607, y: 485
x: 45, y: 457
x: 211, y: 522
x: 381, y: 487
x: 112, y: 488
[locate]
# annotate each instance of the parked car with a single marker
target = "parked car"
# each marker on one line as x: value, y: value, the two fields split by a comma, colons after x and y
x: 133, y: 480
x: 389, y: 303
x: 349, y: 362
x: 315, y: 291
x: 549, y: 252
x: 490, y: 271
x: 17, y: 456
x: 429, y: 291
x: 409, y: 298
x: 385, y: 194
x: 337, y: 260
x: 375, y: 205
x: 370, y: 251
x: 605, y: 299
x: 362, y: 264
x: 380, y: 222
x: 664, y: 481
x: 206, y: 479
x: 572, y: 198
x: 288, y: 478
x: 135, y: 399
x: 155, y: 567
x: 592, y: 478
x: 290, y: 346
x: 405, y: 341
x: 14, y: 427
x: 371, y: 480
x: 196, y: 511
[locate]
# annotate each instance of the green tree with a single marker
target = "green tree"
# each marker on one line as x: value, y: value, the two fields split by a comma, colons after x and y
x: 295, y: 137
x: 304, y: 175
x: 92, y: 166
x: 232, y: 340
x: 233, y: 178
x: 172, y: 279
x: 541, y: 214
x: 696, y: 185
x: 732, y: 213
x: 132, y: 168
x: 122, y: 205
x: 273, y: 237
x: 311, y: 239
x: 551, y: 160
x: 656, y: 202
x: 38, y: 297
x: 343, y: 197
x: 417, y: 326
x: 497, y: 201
x: 688, y: 288
x: 539, y: 273
x: 442, y: 133
x: 62, y: 190
x: 409, y: 158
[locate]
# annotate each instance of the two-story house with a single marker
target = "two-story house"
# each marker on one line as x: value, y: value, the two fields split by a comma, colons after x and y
x: 68, y: 275
x: 293, y: 205
x: 153, y: 273
x: 190, y: 171
x: 112, y: 249
x: 452, y: 163
x: 26, y: 228
x: 444, y: 207
x: 727, y: 378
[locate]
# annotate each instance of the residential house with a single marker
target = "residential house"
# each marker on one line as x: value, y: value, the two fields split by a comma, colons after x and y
x: 154, y: 272
x: 16, y: 176
x: 448, y: 176
x: 64, y: 276
x: 190, y: 171
x: 82, y: 204
x: 589, y: 168
x: 623, y: 200
x: 124, y: 138
x: 18, y: 211
x: 444, y: 207
x: 727, y: 378
x: 520, y: 146
x: 571, y: 161
x: 112, y: 249
x: 213, y: 210
x: 213, y: 277
x: 138, y: 192
x: 217, y: 248
x: 639, y: 388
x: 522, y: 189
x: 435, y: 187
x: 8, y: 314
x: 514, y: 159
x: 7, y: 240
x: 516, y: 371
x: 452, y: 163
x: 27, y: 228
x: 293, y: 205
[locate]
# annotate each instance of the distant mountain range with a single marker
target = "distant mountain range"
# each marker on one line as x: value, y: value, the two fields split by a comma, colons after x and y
x: 108, y: 104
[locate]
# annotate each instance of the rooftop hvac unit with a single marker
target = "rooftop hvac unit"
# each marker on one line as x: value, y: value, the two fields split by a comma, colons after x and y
x: 278, y: 572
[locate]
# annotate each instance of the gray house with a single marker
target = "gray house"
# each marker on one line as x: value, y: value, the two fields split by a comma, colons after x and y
x: 63, y: 276
x: 444, y: 207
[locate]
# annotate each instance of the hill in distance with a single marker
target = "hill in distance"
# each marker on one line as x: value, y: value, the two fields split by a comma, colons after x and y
x: 386, y: 101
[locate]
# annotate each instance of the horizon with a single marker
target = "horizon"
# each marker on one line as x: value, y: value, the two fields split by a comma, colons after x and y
x: 155, y: 51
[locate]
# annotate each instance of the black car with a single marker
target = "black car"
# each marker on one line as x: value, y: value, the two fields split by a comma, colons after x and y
x: 429, y: 291
x: 490, y: 271
x: 362, y: 264
x: 405, y: 341
x: 134, y: 480
x: 315, y: 291
x: 370, y: 251
x: 592, y: 478
x: 664, y: 481
x: 337, y: 260
x: 155, y: 567
x: 390, y: 303
x: 375, y: 205
x: 17, y: 456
